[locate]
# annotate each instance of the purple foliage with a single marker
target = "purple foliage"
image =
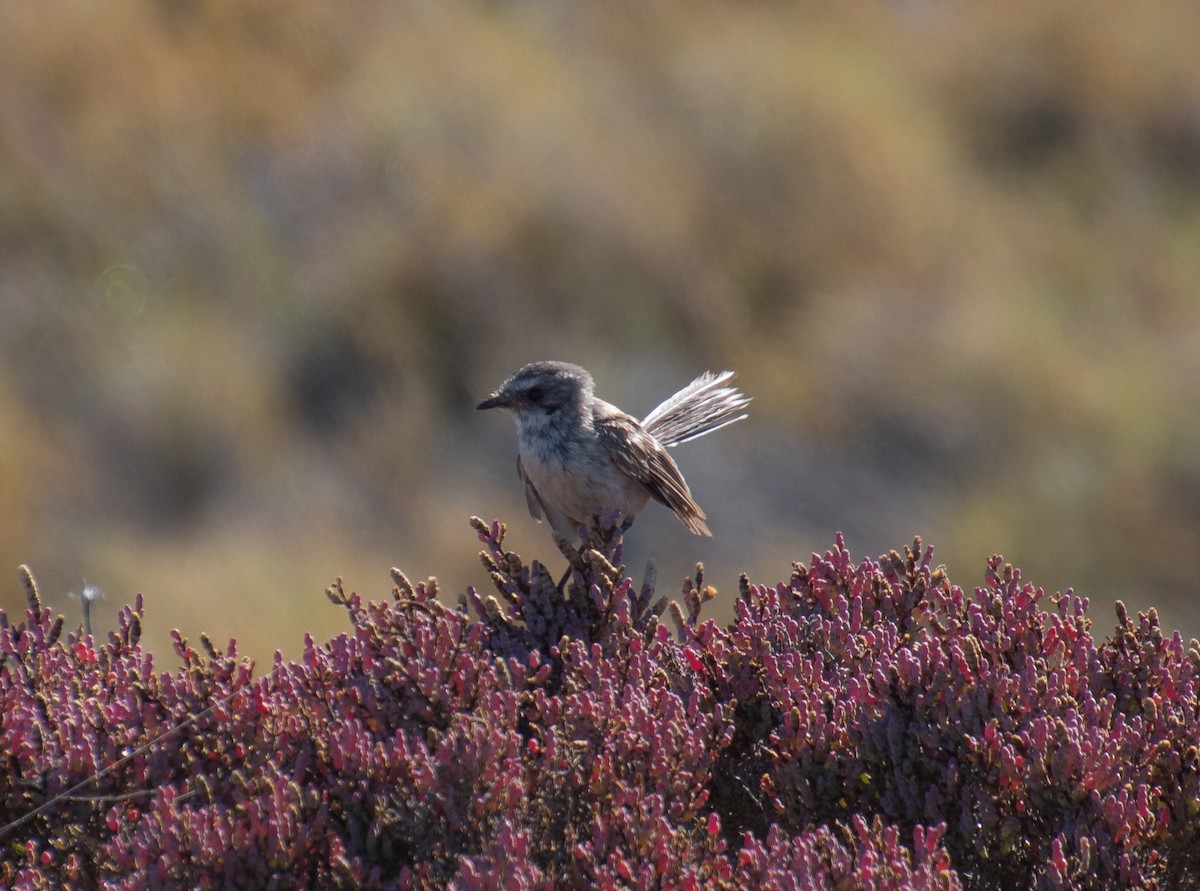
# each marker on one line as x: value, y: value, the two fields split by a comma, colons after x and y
x: 862, y: 725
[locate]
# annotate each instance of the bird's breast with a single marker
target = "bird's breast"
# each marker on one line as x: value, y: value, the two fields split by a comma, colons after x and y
x: 576, y: 476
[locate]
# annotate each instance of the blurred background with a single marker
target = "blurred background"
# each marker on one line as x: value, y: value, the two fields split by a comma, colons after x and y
x: 260, y: 260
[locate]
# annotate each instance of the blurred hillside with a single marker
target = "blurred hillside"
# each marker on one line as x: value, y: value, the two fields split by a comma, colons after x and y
x: 258, y: 262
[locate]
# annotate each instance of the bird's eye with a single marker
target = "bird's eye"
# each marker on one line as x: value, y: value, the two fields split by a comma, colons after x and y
x: 536, y: 394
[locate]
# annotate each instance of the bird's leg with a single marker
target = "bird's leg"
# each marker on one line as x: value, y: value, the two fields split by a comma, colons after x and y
x: 573, y: 555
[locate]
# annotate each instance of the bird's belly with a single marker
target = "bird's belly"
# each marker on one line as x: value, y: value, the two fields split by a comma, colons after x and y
x: 580, y: 486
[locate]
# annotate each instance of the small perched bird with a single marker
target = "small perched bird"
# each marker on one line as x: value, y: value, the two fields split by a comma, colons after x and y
x: 579, y: 456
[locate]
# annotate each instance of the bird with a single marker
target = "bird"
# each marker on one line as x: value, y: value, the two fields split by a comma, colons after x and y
x: 580, y: 456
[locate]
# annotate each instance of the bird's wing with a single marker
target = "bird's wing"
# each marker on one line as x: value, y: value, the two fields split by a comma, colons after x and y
x: 532, y: 499
x: 639, y: 456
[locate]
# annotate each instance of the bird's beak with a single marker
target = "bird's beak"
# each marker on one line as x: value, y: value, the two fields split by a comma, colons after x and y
x: 496, y: 400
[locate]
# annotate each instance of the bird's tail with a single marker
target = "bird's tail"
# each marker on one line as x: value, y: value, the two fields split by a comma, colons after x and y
x: 704, y: 405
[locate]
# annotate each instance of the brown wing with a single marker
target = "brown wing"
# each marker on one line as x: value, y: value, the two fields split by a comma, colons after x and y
x: 639, y: 456
x: 532, y: 500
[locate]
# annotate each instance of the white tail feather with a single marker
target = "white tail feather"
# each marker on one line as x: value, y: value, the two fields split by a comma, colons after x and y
x: 704, y: 405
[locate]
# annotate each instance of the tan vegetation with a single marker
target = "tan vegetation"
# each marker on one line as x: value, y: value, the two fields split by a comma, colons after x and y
x: 259, y: 260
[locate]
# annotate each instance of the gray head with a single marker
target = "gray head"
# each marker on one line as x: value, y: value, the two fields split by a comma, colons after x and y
x: 543, y: 387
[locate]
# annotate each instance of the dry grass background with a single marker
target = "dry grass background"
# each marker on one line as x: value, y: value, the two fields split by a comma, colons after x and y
x: 258, y: 261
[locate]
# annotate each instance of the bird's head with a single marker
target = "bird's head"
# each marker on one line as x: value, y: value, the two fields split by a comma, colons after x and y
x: 542, y: 388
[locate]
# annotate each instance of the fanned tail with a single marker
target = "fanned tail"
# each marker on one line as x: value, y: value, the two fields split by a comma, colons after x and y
x: 704, y: 405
